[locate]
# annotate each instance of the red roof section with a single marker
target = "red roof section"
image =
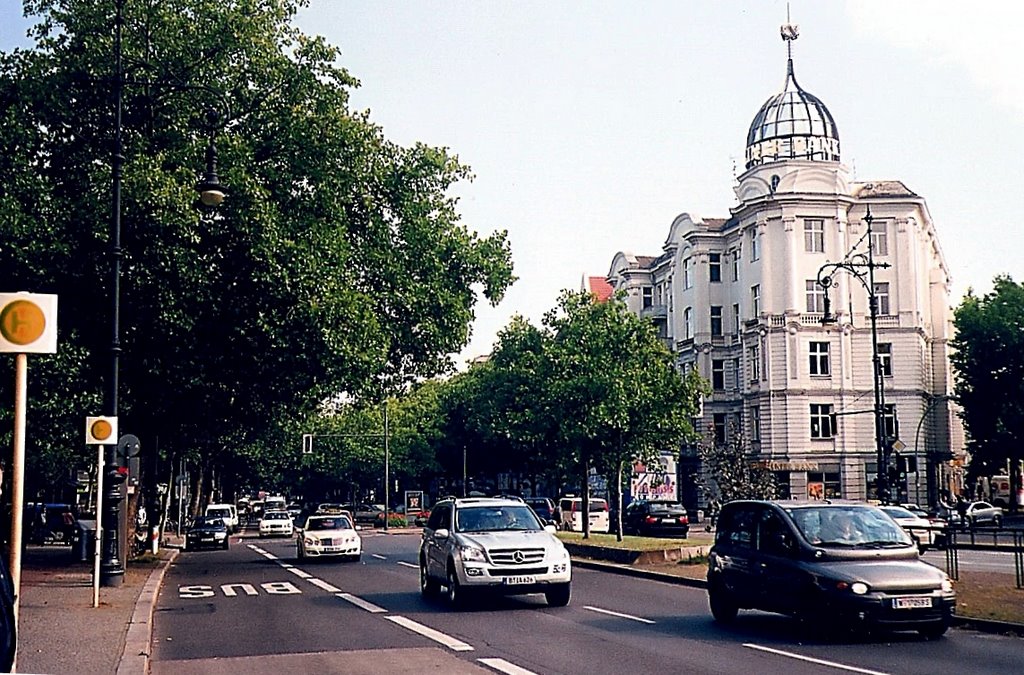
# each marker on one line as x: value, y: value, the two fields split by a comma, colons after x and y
x: 600, y: 287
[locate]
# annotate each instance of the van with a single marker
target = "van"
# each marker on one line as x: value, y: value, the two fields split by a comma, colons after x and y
x: 571, y: 514
x: 226, y: 512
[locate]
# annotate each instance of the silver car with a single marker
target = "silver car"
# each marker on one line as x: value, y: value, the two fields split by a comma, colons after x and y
x: 498, y: 545
x: 983, y: 513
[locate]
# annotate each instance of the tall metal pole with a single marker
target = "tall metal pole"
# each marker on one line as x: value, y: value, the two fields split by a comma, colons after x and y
x: 881, y: 438
x: 18, y: 478
x: 387, y: 470
x: 111, y: 570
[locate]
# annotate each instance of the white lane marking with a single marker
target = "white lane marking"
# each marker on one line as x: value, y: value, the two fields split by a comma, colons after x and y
x: 302, y: 574
x: 359, y: 602
x: 618, y: 614
x: 408, y: 564
x: 321, y: 584
x: 503, y: 666
x: 810, y: 659
x: 437, y: 636
x: 378, y: 556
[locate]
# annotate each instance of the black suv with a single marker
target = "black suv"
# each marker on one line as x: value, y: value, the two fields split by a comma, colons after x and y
x: 834, y: 565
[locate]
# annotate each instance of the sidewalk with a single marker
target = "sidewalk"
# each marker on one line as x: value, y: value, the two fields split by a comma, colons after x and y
x: 61, y: 632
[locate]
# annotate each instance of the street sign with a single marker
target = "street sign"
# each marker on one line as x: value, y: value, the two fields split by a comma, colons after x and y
x: 100, y: 430
x: 128, y: 446
x: 28, y: 323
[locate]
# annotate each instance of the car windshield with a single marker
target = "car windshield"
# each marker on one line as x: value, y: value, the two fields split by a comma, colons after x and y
x: 339, y: 523
x: 831, y: 525
x: 496, y: 518
x: 208, y: 521
x: 898, y: 512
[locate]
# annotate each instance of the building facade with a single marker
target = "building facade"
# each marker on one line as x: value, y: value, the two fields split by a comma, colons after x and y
x: 742, y: 300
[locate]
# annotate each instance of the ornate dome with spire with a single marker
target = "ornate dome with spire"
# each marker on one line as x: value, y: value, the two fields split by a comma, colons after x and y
x: 792, y: 124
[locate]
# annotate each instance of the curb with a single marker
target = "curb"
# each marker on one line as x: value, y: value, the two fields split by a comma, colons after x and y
x: 137, y: 643
x: 981, y: 625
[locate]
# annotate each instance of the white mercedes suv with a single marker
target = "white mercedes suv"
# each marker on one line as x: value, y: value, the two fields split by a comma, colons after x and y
x: 498, y: 545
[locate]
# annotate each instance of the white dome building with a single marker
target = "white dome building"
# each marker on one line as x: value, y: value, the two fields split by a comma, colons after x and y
x: 739, y: 299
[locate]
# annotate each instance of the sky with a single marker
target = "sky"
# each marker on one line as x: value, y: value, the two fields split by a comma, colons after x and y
x: 589, y: 126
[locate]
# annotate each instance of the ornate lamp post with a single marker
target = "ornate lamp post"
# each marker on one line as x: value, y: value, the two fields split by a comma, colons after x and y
x: 211, y: 194
x: 862, y: 268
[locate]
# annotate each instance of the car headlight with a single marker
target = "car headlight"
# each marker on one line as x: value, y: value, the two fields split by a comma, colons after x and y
x: 312, y: 541
x: 472, y: 554
x: 858, y: 588
x: 947, y: 585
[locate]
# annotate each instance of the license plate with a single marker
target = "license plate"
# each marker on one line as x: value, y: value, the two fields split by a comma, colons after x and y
x: 911, y: 603
x: 331, y: 549
x: 668, y: 520
x: 518, y: 581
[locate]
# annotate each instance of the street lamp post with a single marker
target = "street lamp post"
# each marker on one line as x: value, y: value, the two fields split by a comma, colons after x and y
x: 211, y: 194
x: 935, y: 401
x: 862, y: 267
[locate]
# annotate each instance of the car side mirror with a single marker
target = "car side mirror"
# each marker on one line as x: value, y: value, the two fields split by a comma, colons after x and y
x: 441, y: 533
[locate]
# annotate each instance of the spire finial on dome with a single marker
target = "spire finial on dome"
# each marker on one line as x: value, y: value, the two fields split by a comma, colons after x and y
x: 790, y: 32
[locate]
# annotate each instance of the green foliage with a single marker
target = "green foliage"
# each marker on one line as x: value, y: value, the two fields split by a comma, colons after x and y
x: 337, y: 265
x: 988, y: 358
x: 732, y: 474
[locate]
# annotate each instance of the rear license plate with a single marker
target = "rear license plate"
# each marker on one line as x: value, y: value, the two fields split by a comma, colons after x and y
x: 911, y: 603
x: 668, y: 520
x: 519, y: 581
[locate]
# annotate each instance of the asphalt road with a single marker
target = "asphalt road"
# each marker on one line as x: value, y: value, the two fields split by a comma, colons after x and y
x: 256, y: 609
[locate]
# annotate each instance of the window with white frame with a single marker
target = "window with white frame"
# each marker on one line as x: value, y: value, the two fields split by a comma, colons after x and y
x: 754, y: 360
x: 736, y: 265
x: 736, y: 318
x: 755, y: 423
x: 882, y: 298
x: 755, y: 301
x: 716, y: 320
x: 719, y: 421
x: 688, y: 323
x: 815, y: 296
x: 648, y: 296
x: 822, y: 421
x: 885, y: 358
x: 880, y: 238
x: 718, y: 374
x: 755, y: 254
x: 819, y: 364
x: 889, y: 421
x: 814, y: 236
x: 688, y: 273
x: 737, y: 376
x: 714, y: 267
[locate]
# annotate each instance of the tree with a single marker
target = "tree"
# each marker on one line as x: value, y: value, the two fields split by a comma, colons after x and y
x: 988, y: 358
x: 731, y: 473
x: 338, y: 263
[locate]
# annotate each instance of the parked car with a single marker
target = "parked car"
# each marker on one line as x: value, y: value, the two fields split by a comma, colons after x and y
x: 983, y: 513
x: 276, y: 524
x: 328, y: 536
x: 475, y: 545
x: 227, y: 512
x: 571, y: 514
x: 543, y: 507
x: 207, y: 532
x: 836, y: 566
x: 938, y: 524
x: 365, y: 514
x: 918, y: 527
x: 656, y: 518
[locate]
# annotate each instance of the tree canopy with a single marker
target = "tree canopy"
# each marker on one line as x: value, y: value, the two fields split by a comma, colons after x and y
x: 338, y: 264
x: 988, y: 357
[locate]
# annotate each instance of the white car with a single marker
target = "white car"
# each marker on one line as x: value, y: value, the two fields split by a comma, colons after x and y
x: 983, y: 513
x: 473, y: 546
x: 328, y: 535
x: 920, y: 529
x: 276, y: 524
x: 226, y: 512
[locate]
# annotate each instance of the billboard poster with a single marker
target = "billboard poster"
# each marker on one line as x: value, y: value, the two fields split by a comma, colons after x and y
x: 656, y: 480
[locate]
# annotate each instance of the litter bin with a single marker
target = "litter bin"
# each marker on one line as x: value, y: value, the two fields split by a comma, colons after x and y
x: 84, y: 546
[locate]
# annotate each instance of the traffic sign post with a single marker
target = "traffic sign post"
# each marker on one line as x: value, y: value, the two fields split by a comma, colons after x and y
x: 28, y: 325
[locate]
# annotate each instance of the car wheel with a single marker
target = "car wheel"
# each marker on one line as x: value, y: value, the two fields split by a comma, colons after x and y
x: 558, y: 595
x: 226, y: 544
x: 723, y: 607
x: 933, y: 631
x: 188, y: 546
x: 428, y: 587
x: 456, y: 594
